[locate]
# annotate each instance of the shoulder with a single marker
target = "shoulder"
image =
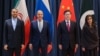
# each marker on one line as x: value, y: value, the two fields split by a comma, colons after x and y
x: 73, y: 22
x: 61, y: 22
x: 7, y: 20
x: 33, y: 21
x: 95, y: 25
x: 85, y: 27
x: 21, y: 21
x: 45, y: 21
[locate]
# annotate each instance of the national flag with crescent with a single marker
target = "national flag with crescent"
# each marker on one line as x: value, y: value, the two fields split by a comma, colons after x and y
x: 23, y: 15
x: 86, y: 9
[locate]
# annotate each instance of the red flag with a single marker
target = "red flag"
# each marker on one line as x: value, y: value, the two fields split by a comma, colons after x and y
x: 66, y: 5
x: 23, y: 15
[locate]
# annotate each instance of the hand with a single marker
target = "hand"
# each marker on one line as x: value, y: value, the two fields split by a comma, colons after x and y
x: 30, y: 46
x: 6, y: 47
x: 76, y: 47
x: 60, y: 46
x: 49, y: 48
x: 83, y: 49
x: 22, y: 46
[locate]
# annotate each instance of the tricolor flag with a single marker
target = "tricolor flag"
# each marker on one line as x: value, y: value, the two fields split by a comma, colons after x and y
x: 86, y: 8
x: 45, y: 7
x: 66, y: 5
x: 23, y: 15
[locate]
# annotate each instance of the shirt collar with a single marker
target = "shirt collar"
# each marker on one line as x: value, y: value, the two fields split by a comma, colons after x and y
x: 40, y: 21
x: 14, y: 18
x: 67, y: 21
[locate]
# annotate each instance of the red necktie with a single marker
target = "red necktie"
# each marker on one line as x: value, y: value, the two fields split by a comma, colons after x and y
x: 68, y: 26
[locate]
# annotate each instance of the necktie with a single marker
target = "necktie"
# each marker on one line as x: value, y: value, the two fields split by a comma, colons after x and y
x: 68, y: 26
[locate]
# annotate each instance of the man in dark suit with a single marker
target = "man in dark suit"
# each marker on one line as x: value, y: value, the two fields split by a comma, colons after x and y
x: 67, y: 35
x: 40, y: 35
x: 13, y: 34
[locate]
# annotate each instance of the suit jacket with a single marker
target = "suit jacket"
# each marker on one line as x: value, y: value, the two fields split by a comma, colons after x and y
x: 37, y: 37
x: 89, y: 38
x: 14, y: 38
x: 66, y: 37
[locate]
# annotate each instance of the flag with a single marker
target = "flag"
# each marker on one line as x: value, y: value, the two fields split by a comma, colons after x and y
x: 86, y: 8
x: 23, y: 15
x: 45, y: 7
x: 89, y: 7
x: 66, y: 5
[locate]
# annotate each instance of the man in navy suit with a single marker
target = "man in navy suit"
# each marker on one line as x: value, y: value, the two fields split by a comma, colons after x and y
x: 67, y: 35
x: 13, y: 34
x: 39, y: 35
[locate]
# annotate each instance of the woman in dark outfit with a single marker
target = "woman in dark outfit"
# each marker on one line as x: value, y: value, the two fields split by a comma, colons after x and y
x: 89, y: 39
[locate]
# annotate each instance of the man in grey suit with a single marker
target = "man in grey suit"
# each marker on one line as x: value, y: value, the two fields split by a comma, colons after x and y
x: 13, y: 34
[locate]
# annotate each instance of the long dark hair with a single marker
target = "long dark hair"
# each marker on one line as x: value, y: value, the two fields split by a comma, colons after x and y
x: 93, y: 21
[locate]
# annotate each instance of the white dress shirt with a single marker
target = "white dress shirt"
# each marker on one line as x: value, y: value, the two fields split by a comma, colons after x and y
x: 14, y: 22
x: 40, y: 25
x: 67, y: 22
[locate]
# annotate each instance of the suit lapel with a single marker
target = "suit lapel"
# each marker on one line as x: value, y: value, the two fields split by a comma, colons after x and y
x: 71, y: 25
x: 43, y: 26
x: 65, y: 27
x: 11, y: 24
x: 17, y: 24
x: 38, y: 28
x: 36, y: 23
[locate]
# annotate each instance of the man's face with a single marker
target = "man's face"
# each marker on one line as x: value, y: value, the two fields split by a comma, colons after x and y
x: 14, y: 13
x: 67, y: 15
x: 39, y: 15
